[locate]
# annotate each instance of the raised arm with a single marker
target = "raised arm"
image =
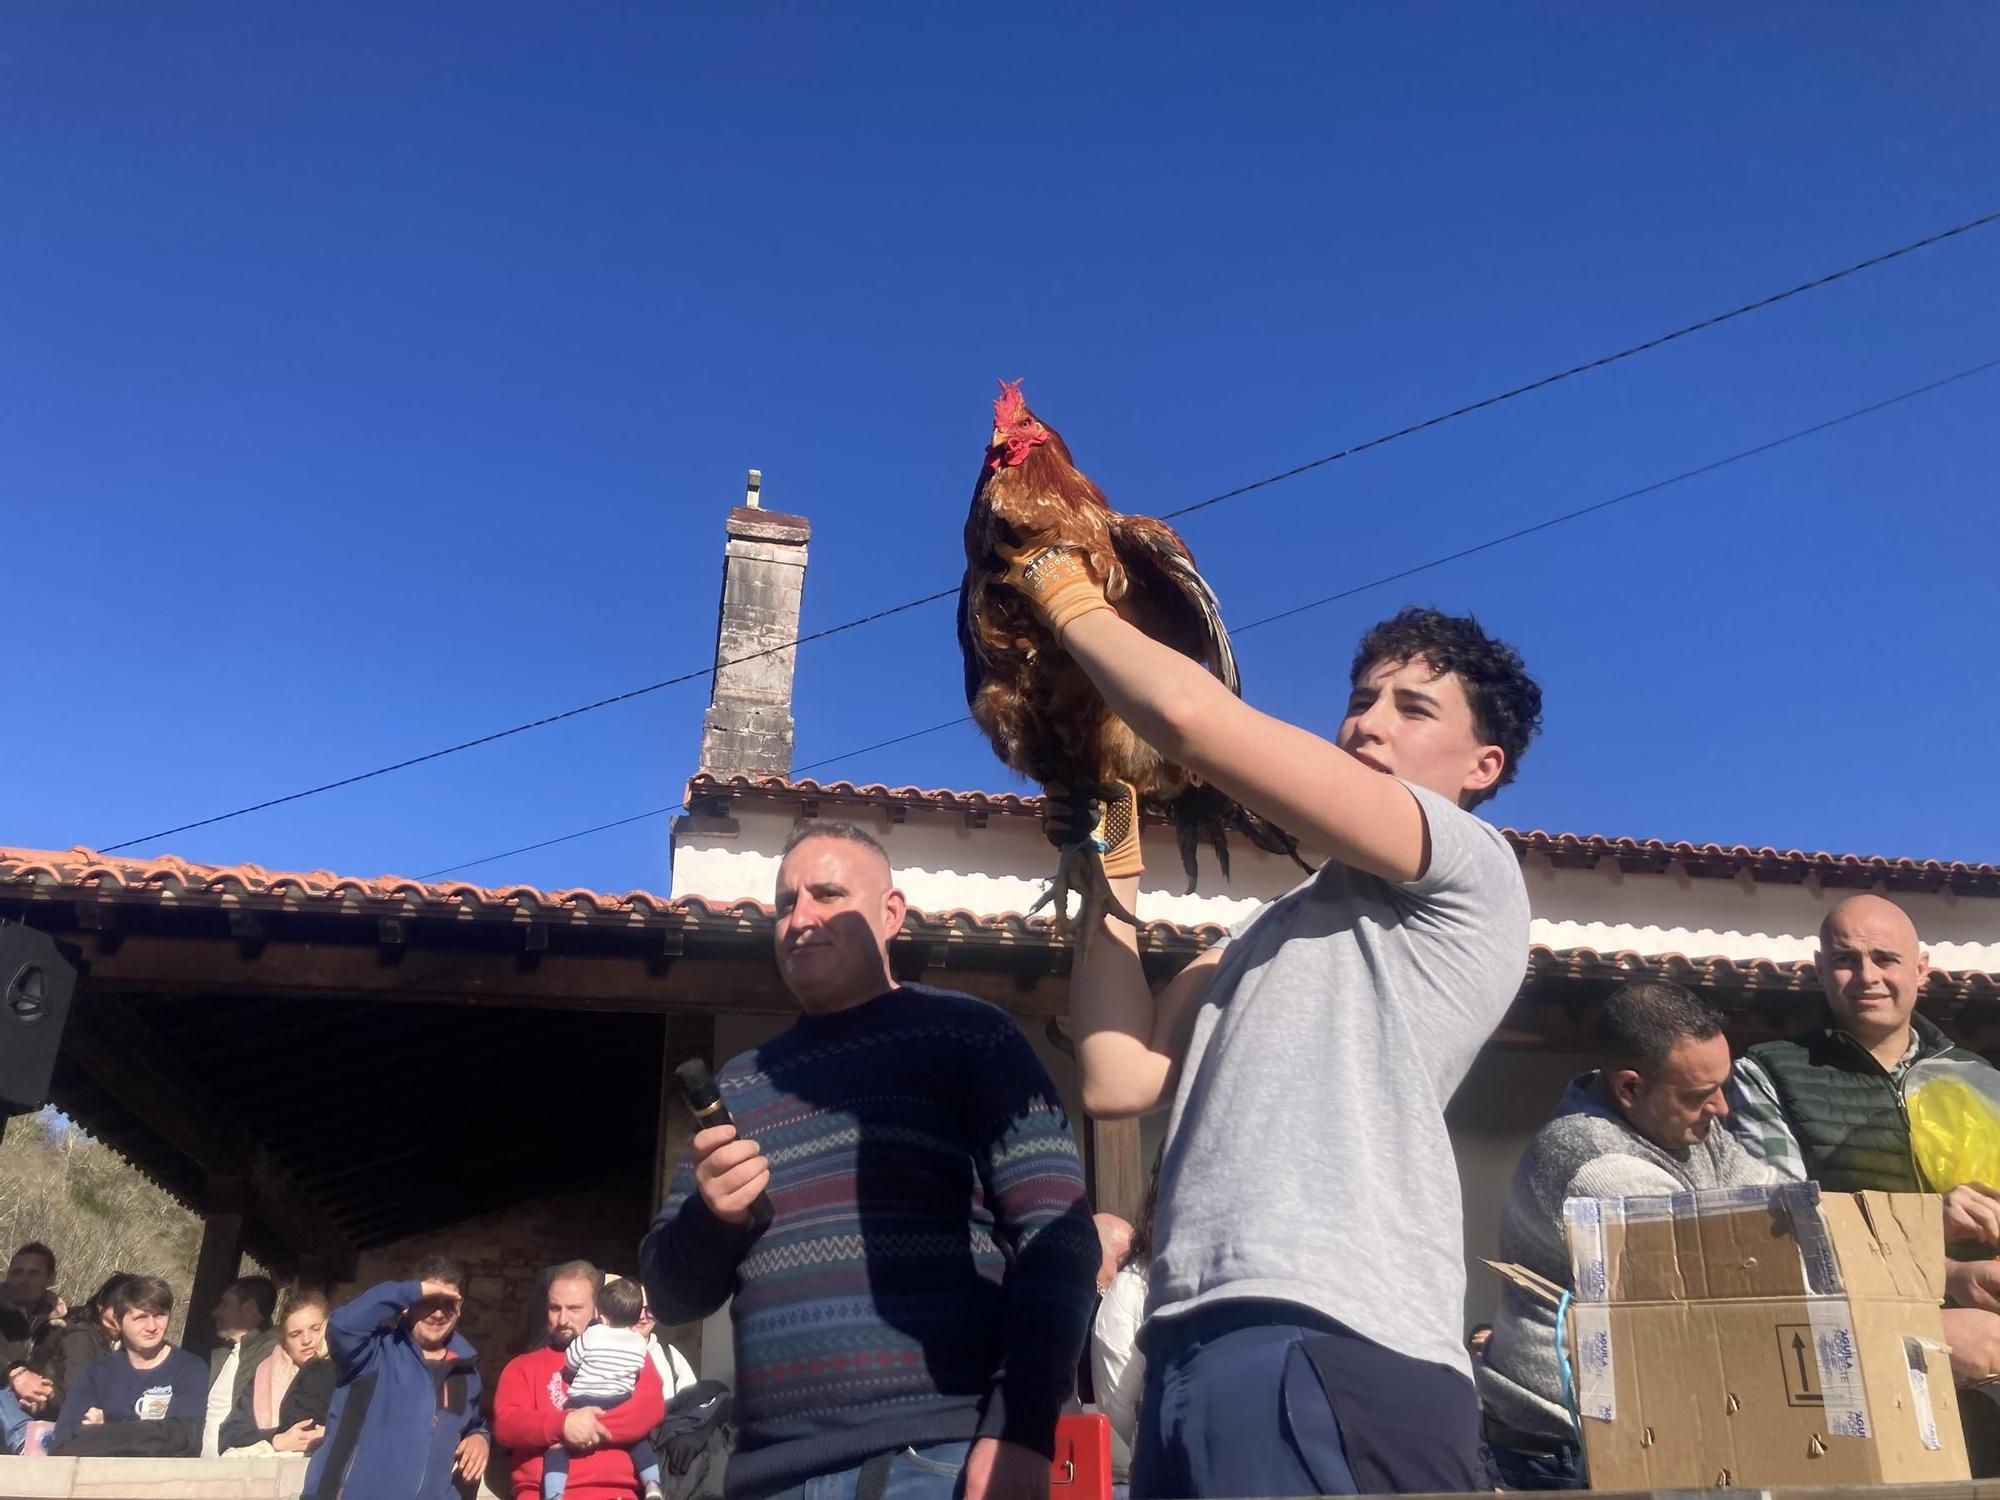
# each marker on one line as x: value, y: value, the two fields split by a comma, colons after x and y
x: 1129, y: 1041
x: 352, y: 1327
x: 1332, y: 803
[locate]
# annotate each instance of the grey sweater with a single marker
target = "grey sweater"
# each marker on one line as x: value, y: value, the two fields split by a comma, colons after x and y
x: 1586, y: 1150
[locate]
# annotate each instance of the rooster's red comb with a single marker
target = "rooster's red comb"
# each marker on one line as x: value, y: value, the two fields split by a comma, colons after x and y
x: 1010, y: 410
x: 1014, y: 427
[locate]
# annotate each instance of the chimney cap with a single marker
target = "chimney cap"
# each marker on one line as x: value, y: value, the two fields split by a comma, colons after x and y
x: 756, y: 484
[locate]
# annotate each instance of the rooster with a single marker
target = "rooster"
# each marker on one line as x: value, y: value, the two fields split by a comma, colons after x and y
x: 1042, y: 714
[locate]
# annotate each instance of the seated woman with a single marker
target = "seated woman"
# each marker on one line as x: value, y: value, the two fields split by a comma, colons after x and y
x: 90, y: 1334
x: 283, y: 1406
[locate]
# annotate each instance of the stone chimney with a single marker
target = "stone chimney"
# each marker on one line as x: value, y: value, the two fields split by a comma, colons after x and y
x: 747, y: 730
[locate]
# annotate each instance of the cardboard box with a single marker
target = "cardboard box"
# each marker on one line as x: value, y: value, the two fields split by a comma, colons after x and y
x: 1761, y: 1336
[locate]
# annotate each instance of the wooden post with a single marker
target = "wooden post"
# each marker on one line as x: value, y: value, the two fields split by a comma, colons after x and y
x: 1117, y: 1177
x: 217, y: 1263
x: 312, y: 1272
x: 685, y: 1037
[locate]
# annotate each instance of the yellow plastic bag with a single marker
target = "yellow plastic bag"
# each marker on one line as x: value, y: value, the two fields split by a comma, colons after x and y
x: 1954, y: 1123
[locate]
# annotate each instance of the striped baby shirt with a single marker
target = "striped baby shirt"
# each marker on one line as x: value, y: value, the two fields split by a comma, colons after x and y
x: 604, y: 1363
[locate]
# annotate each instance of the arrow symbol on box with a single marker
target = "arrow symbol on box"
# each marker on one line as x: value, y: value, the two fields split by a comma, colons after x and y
x: 1799, y: 1352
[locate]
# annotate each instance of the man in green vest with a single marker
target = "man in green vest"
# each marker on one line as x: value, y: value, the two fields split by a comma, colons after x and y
x: 1828, y: 1104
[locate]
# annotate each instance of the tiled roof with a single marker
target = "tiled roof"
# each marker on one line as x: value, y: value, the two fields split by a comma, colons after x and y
x: 33, y: 874
x: 1724, y: 861
x: 873, y: 793
x: 169, y: 880
x: 1761, y: 975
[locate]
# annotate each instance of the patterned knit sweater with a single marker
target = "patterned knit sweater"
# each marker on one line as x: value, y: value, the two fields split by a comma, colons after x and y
x: 929, y: 1270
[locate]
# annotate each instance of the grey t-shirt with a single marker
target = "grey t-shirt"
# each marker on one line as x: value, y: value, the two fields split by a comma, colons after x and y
x: 1307, y: 1159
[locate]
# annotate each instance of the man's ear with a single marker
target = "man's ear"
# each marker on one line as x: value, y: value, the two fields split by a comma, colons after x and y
x: 1625, y: 1085
x: 895, y: 906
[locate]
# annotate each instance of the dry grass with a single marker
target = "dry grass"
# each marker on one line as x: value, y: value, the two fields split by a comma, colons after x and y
x: 93, y: 1208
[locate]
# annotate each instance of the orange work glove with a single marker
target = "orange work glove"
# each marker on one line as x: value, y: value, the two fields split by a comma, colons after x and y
x: 1057, y: 582
x: 1106, y: 816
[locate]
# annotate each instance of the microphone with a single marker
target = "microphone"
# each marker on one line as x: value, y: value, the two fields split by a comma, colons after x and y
x: 704, y: 1101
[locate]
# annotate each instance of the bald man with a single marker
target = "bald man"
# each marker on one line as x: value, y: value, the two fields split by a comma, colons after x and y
x: 910, y: 1302
x: 1828, y: 1104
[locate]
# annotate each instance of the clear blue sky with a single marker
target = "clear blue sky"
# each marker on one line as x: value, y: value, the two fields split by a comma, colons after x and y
x: 373, y: 376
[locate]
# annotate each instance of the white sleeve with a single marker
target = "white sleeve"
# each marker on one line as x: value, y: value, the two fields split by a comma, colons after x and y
x: 676, y: 1374
x: 1117, y: 1368
x: 683, y: 1371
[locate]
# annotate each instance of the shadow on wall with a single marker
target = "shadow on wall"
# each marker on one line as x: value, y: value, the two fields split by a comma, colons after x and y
x: 1504, y: 1100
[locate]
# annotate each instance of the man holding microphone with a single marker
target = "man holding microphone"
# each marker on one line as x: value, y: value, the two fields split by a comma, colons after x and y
x: 901, y: 1222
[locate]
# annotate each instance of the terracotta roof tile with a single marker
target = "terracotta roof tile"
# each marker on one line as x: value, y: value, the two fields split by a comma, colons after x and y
x: 1775, y: 866
x: 169, y: 879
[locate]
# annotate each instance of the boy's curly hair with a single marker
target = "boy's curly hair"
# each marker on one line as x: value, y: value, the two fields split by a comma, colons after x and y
x: 1506, y: 702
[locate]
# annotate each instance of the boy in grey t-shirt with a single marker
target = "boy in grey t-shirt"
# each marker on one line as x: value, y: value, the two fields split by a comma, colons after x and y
x: 1308, y: 1284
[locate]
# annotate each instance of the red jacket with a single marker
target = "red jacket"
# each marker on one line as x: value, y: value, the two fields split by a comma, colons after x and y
x: 527, y: 1422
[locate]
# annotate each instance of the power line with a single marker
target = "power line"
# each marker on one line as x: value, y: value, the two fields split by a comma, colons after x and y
x: 501, y: 734
x: 1597, y: 364
x: 1645, y: 489
x: 564, y: 838
x: 1873, y: 261
x: 1387, y: 578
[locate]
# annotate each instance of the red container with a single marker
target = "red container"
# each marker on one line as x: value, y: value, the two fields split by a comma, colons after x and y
x: 1082, y: 1468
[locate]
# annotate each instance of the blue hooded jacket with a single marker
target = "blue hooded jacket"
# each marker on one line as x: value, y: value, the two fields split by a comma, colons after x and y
x: 397, y: 1418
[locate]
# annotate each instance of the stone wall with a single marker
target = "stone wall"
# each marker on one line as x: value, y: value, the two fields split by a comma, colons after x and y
x: 151, y: 1478
x: 505, y: 1252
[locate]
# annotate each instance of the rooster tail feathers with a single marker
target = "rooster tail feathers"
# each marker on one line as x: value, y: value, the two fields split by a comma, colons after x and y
x: 1201, y: 814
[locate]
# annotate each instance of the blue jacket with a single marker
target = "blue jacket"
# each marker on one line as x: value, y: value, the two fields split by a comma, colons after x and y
x: 397, y: 1419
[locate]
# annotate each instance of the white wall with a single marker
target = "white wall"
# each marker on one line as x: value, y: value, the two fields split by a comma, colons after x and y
x: 943, y: 865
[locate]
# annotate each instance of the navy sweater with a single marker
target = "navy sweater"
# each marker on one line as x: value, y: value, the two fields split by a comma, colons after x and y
x: 173, y: 1391
x: 929, y: 1270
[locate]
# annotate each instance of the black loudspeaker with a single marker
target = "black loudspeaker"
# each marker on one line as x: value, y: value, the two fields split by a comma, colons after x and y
x: 36, y: 983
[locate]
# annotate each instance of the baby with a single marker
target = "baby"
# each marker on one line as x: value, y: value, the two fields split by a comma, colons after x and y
x: 604, y: 1362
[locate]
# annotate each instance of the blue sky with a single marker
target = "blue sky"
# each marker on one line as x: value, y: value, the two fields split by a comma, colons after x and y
x: 372, y: 377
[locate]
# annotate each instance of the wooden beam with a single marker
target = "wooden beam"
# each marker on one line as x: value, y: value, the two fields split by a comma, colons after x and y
x: 217, y: 1263
x: 685, y: 1037
x: 121, y: 1053
x: 292, y: 971
x: 1117, y: 1176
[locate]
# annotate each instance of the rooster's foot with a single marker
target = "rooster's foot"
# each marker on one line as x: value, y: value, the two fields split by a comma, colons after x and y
x: 1081, y: 870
